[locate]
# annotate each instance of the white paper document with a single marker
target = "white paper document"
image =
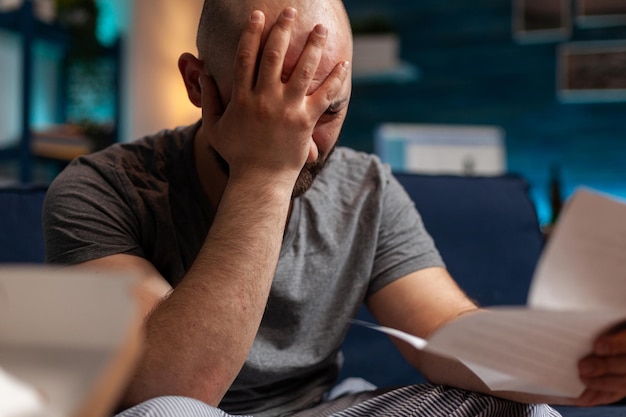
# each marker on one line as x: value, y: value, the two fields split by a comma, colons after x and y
x: 60, y: 334
x: 18, y: 398
x: 577, y: 293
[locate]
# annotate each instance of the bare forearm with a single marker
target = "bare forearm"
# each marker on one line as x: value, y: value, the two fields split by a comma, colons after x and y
x: 199, y: 337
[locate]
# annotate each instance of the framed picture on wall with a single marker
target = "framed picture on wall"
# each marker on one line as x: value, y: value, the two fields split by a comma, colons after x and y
x: 599, y: 13
x: 542, y: 20
x: 592, y: 71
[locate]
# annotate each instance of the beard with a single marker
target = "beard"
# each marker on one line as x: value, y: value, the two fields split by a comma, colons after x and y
x: 309, y: 172
x: 305, y: 179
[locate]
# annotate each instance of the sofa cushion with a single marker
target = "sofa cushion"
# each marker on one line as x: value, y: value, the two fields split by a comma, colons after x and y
x: 486, y: 229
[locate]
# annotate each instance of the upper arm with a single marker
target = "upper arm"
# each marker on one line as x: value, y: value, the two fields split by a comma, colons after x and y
x: 403, y: 242
x: 87, y: 215
x: 152, y: 288
x: 419, y: 303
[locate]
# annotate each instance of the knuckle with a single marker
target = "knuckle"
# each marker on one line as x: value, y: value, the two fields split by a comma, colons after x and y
x: 272, y: 56
x: 301, y: 84
x: 329, y: 95
x: 263, y: 109
x: 298, y: 119
x: 239, y: 98
x: 245, y: 59
x: 308, y: 71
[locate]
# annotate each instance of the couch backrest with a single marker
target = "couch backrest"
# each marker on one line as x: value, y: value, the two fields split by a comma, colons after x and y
x: 21, y: 233
x: 486, y: 229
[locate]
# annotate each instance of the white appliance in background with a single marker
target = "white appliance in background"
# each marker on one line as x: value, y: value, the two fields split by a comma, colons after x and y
x: 442, y: 149
x: 44, y: 9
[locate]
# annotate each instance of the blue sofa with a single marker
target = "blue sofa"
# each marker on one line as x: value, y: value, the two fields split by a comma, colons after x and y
x: 21, y: 234
x: 485, y: 228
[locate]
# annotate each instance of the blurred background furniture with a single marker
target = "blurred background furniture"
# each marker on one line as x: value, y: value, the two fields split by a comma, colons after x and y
x: 442, y: 149
x: 61, y: 86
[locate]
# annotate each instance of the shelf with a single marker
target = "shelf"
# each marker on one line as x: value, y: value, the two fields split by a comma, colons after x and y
x: 12, y: 22
x: 402, y: 73
x: 24, y: 22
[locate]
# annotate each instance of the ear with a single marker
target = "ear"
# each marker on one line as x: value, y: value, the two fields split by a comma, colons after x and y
x: 191, y: 69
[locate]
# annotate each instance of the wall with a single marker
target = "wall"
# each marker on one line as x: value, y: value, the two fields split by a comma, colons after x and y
x: 155, y: 97
x: 474, y: 72
x: 10, y: 82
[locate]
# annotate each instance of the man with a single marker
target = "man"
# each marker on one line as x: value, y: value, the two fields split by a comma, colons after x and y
x: 268, y: 236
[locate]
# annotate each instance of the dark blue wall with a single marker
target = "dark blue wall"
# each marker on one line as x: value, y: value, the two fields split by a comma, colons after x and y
x: 474, y: 72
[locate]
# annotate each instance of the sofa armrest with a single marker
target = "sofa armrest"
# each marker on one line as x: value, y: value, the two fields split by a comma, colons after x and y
x: 21, y: 231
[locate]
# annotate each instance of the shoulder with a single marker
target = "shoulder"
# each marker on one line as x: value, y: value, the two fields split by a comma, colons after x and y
x: 149, y: 153
x: 131, y: 162
x: 108, y: 202
x: 357, y: 182
x: 123, y: 175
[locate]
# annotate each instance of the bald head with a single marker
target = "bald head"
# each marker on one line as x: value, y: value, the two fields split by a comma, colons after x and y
x: 222, y: 22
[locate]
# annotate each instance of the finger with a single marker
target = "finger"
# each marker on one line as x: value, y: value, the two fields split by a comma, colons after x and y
x: 324, y: 96
x: 314, y: 152
x: 607, y: 383
x: 309, y: 60
x: 593, y: 366
x: 613, y: 343
x: 212, y: 108
x: 275, y: 49
x: 593, y: 397
x: 247, y: 53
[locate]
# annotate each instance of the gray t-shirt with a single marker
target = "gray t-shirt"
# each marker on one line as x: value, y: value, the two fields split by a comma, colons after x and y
x: 355, y: 231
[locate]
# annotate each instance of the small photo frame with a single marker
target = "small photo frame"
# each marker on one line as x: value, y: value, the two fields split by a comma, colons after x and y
x: 592, y: 71
x: 537, y: 21
x: 600, y: 13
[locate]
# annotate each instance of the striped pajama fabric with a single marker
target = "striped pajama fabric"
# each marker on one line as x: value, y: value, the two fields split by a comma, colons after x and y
x: 422, y: 400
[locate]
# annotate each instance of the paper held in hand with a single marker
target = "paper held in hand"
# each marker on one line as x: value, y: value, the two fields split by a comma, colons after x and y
x: 577, y: 293
x: 68, y: 341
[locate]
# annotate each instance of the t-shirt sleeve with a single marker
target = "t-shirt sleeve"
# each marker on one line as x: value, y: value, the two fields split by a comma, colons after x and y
x: 87, y: 215
x: 404, y: 245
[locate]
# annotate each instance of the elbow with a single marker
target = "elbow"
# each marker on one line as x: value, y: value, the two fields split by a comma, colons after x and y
x: 144, y: 387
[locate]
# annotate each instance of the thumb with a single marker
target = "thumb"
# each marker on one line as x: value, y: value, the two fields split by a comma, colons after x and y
x: 313, y: 152
x: 211, y: 103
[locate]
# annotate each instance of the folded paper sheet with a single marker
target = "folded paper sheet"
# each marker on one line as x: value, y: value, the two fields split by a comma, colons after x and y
x: 18, y: 398
x: 66, y: 338
x: 577, y: 293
